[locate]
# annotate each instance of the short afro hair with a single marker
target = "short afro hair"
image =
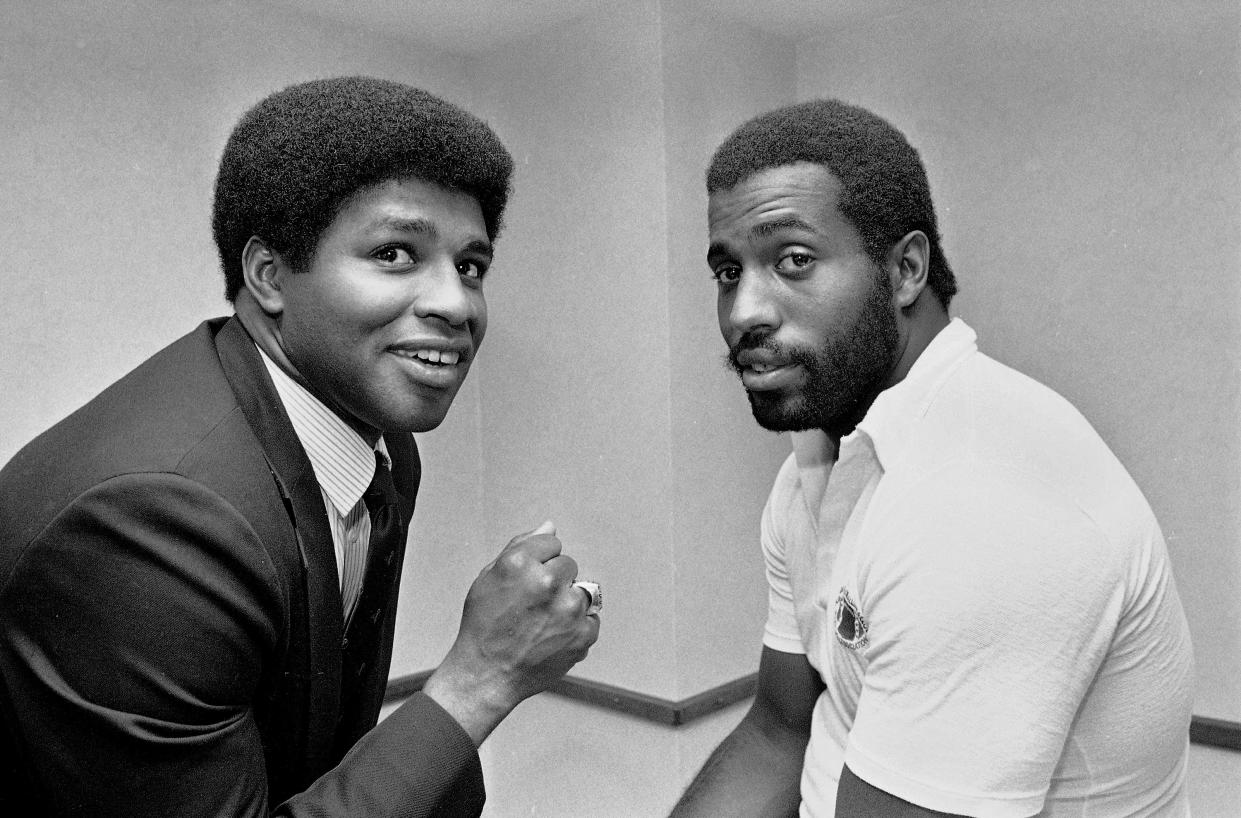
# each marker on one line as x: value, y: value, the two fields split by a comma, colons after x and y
x: 884, y: 190
x: 296, y: 156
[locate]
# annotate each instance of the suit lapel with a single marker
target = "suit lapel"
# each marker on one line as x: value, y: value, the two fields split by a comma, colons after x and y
x: 322, y: 626
x: 406, y: 470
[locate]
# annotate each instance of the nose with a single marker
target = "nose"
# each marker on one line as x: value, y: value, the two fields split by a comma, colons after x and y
x: 444, y: 295
x: 747, y: 306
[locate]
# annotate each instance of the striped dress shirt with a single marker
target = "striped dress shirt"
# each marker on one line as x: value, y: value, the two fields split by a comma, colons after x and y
x: 344, y: 465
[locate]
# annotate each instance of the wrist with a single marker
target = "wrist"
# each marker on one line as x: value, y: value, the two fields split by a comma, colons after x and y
x: 478, y: 702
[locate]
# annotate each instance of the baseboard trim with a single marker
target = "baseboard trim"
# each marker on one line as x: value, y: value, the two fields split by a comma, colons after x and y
x: 641, y: 705
x: 1202, y: 730
x: 1215, y: 732
x: 402, y: 687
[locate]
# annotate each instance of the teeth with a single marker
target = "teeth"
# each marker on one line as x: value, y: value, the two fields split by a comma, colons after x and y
x: 762, y: 367
x: 435, y: 356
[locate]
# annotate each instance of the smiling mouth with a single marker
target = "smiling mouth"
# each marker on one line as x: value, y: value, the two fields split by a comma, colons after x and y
x: 434, y: 357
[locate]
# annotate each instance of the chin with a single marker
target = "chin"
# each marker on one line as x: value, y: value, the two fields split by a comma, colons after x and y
x: 423, y: 416
x: 424, y: 422
x: 779, y: 414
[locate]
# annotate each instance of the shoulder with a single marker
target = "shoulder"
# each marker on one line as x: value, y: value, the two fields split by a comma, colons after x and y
x: 984, y: 397
x: 990, y: 511
x: 149, y: 541
x: 992, y: 429
x: 153, y: 413
x: 787, y: 485
x: 1007, y: 415
x: 783, y: 501
x: 173, y: 420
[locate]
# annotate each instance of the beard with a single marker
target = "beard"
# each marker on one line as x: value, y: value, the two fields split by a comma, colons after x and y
x: 843, y: 376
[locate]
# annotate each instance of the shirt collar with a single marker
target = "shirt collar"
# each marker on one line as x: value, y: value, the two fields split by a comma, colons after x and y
x: 343, y: 462
x: 888, y: 422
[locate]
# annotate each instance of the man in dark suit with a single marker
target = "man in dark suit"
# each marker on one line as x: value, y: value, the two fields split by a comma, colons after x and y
x: 199, y: 568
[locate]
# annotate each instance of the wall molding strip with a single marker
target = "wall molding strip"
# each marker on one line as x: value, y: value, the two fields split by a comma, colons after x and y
x: 1202, y: 730
x: 641, y: 705
x: 1215, y: 732
x: 402, y: 687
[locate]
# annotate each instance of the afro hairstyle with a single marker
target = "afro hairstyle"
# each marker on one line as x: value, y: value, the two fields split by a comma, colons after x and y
x: 884, y: 191
x: 299, y: 154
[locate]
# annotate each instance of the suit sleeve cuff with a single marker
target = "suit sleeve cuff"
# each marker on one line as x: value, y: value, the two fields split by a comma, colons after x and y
x: 416, y: 762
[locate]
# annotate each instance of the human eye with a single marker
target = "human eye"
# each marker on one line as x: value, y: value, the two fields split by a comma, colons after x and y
x: 794, y: 261
x: 394, y: 255
x: 472, y: 269
x: 725, y: 274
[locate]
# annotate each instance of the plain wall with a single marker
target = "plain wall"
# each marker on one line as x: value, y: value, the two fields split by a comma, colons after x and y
x: 574, y: 388
x: 1085, y: 160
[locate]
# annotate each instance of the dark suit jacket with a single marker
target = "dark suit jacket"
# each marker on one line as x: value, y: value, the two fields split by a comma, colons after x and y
x: 170, y: 618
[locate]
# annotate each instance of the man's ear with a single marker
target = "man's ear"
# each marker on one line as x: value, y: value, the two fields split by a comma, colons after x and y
x: 909, y: 261
x: 263, y: 270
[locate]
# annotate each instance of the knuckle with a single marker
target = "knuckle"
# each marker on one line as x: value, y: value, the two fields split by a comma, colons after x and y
x: 515, y: 560
x: 547, y: 583
x: 572, y: 604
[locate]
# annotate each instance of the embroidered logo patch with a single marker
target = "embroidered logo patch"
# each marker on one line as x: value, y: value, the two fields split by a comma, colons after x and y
x: 850, y: 624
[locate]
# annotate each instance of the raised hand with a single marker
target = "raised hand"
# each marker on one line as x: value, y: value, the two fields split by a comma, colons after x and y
x: 523, y: 627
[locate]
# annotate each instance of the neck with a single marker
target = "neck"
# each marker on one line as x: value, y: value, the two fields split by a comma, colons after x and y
x: 264, y: 329
x: 916, y: 336
x: 916, y: 328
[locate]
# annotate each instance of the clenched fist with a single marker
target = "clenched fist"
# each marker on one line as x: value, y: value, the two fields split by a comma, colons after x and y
x: 524, y: 625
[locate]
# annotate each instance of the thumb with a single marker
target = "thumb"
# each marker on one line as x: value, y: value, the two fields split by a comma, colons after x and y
x: 546, y: 527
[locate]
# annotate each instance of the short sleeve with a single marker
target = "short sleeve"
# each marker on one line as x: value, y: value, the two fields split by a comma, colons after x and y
x: 780, y: 632
x: 991, y: 602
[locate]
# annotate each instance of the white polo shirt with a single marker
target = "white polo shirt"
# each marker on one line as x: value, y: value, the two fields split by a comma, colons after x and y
x: 987, y: 596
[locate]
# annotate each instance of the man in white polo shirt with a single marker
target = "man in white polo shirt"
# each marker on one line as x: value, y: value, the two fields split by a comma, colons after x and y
x: 971, y: 606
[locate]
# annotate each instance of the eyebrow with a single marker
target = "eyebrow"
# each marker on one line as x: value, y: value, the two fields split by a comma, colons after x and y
x: 426, y: 227
x: 423, y: 226
x: 783, y: 223
x: 481, y: 247
x: 764, y: 229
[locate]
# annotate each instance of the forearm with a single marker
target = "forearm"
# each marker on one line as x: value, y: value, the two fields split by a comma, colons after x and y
x: 476, y: 704
x: 417, y: 762
x: 754, y: 772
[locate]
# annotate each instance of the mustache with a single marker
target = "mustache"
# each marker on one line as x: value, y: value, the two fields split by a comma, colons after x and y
x: 760, y: 339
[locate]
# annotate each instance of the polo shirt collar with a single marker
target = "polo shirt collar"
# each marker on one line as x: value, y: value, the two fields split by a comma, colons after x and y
x: 343, y: 462
x: 889, y: 421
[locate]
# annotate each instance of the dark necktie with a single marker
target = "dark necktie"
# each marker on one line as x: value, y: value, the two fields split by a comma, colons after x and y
x: 382, y: 503
x: 362, y: 646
